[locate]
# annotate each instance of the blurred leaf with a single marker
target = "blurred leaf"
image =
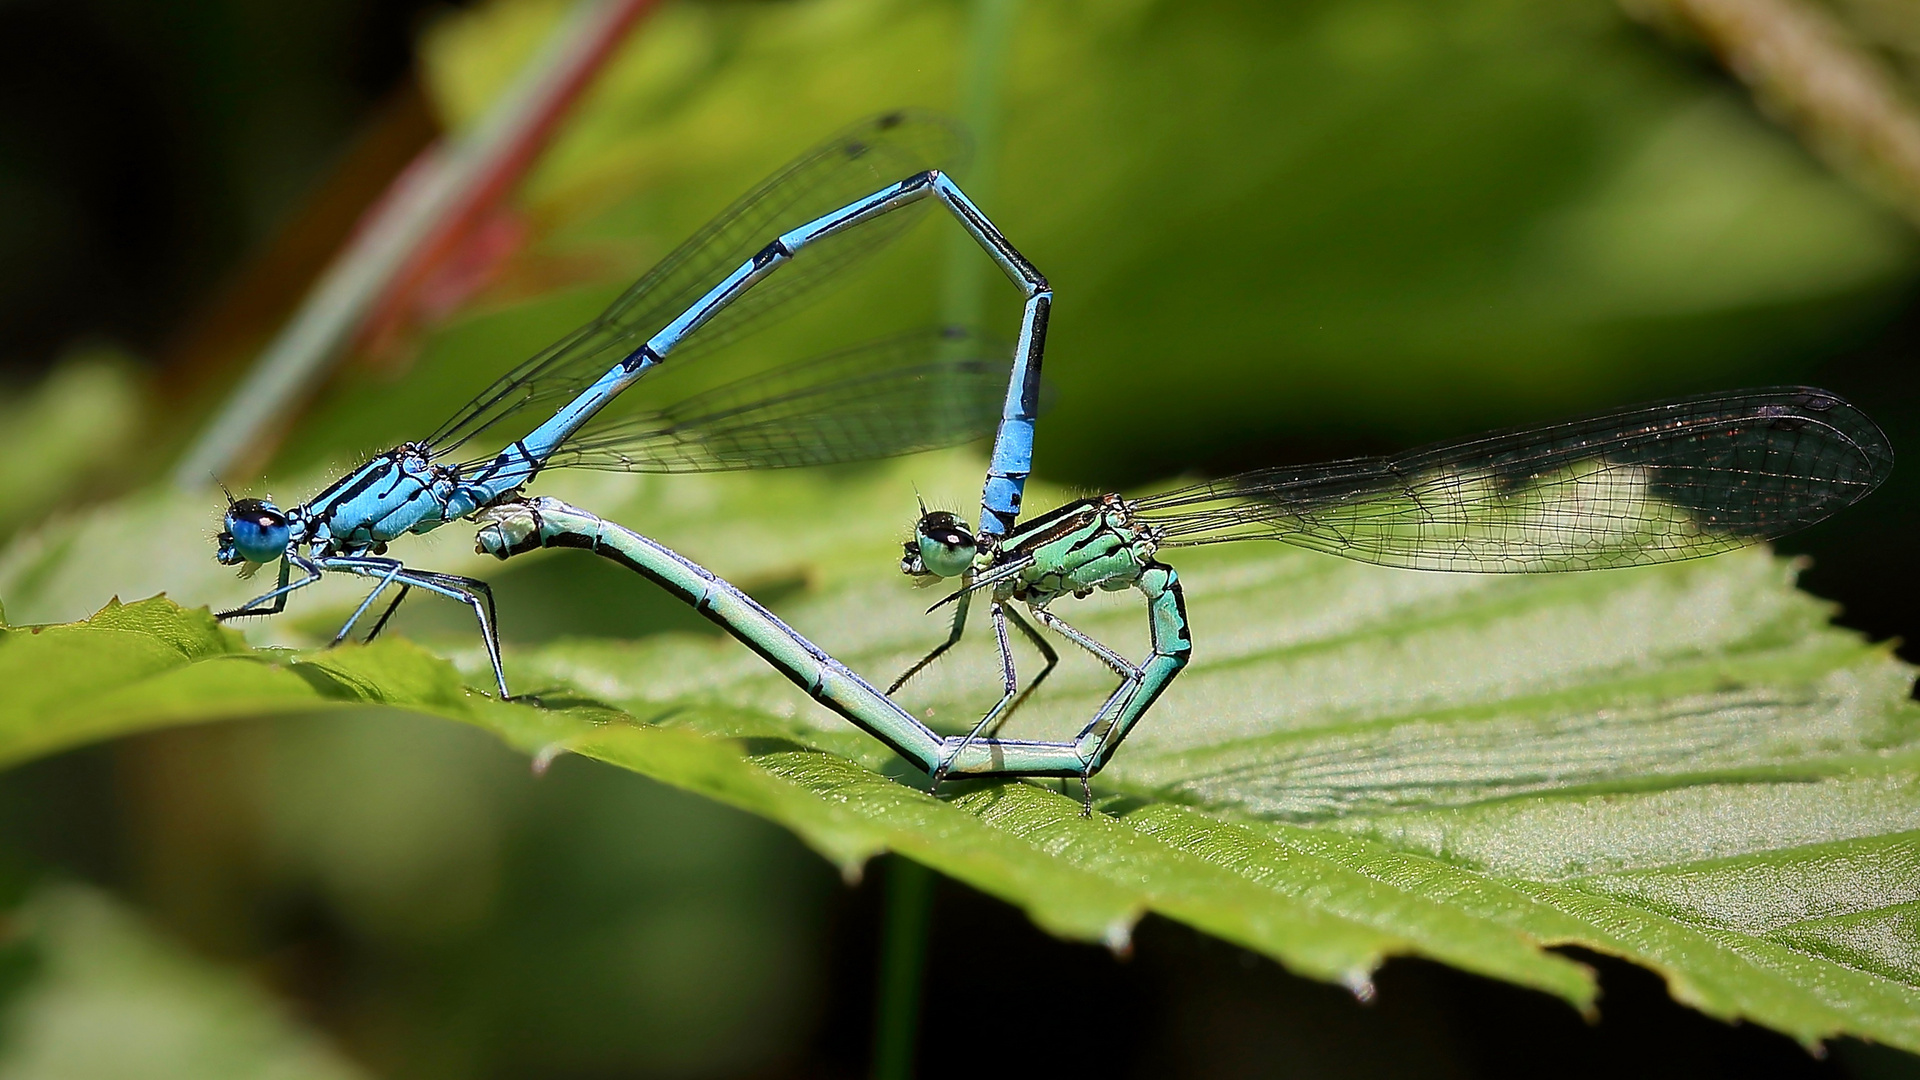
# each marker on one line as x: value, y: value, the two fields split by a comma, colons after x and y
x: 109, y: 999
x: 1681, y: 765
x: 75, y: 425
x: 1339, y: 219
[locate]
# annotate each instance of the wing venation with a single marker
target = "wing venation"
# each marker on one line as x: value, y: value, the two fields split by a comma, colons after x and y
x: 1674, y: 480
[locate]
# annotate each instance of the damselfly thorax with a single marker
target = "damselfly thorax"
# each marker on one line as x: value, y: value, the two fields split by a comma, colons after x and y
x: 1073, y: 550
x: 399, y: 492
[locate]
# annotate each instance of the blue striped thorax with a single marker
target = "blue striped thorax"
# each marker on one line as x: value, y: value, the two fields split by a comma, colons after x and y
x: 401, y: 491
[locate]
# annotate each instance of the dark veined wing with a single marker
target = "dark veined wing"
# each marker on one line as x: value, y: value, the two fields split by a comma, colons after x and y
x: 856, y: 162
x: 1657, y: 483
x: 901, y: 395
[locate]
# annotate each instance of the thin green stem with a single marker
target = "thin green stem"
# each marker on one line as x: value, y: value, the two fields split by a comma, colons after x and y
x: 909, y: 896
x: 990, y: 30
x: 903, y: 959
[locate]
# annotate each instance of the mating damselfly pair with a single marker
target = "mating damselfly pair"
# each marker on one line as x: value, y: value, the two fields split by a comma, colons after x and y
x: 1656, y: 483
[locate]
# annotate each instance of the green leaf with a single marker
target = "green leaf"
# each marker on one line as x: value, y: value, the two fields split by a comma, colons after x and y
x: 1685, y: 766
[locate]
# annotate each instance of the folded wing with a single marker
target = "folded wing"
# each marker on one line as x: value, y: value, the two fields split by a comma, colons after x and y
x: 1673, y: 480
x: 919, y: 391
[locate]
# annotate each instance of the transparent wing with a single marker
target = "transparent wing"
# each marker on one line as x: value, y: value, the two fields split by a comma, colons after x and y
x: 1675, y: 480
x: 858, y: 161
x: 901, y: 395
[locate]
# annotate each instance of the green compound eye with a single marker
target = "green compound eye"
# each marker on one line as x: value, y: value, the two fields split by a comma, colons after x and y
x: 946, y: 544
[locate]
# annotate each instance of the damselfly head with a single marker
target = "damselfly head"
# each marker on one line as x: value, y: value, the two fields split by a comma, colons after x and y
x: 255, y: 532
x: 942, y: 547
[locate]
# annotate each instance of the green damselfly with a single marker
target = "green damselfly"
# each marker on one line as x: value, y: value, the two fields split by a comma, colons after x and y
x: 1656, y: 483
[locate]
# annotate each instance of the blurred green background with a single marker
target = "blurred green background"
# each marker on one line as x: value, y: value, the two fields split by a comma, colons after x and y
x: 1277, y: 232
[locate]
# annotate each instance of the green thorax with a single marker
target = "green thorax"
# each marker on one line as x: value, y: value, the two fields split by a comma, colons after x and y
x: 1082, y: 546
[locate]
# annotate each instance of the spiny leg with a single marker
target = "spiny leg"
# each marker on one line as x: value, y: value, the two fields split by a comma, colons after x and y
x: 1120, y: 665
x: 1046, y: 651
x: 379, y: 587
x: 1129, y: 682
x: 1172, y: 648
x: 484, y: 590
x: 381, y: 623
x: 1040, y: 643
x: 278, y: 595
x: 1010, y: 680
x: 953, y: 638
x: 474, y: 593
x: 427, y: 579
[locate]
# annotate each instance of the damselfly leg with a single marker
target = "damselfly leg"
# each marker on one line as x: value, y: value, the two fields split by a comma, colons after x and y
x: 474, y: 593
x: 954, y: 633
x: 1047, y: 652
x: 381, y: 623
x: 1170, y: 647
x: 1010, y: 688
x: 379, y: 587
x: 276, y: 600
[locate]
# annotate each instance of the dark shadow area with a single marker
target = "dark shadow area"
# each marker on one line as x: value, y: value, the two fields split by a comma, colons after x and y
x: 1186, y: 1005
x: 1866, y: 559
x: 59, y: 815
x: 145, y: 147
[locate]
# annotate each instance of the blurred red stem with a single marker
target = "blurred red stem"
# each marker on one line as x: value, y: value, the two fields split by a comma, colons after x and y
x: 1806, y: 69
x: 425, y: 212
x: 514, y: 158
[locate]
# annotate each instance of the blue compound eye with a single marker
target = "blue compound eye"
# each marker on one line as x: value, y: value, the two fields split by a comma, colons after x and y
x: 256, y: 532
x: 945, y: 543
